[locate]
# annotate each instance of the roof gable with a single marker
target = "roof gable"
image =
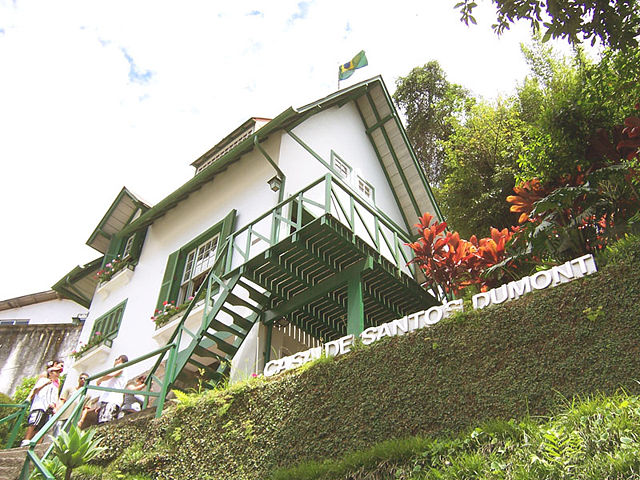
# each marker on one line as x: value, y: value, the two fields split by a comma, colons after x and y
x: 385, y: 131
x: 119, y: 215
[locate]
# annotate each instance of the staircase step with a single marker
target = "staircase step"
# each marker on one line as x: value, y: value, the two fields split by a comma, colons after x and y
x: 261, y: 297
x: 223, y: 327
x: 241, y: 302
x: 12, y: 460
x: 227, y: 348
x: 203, y: 352
x: 238, y: 319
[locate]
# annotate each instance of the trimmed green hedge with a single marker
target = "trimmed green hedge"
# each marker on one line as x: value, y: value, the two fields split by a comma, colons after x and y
x: 506, y: 362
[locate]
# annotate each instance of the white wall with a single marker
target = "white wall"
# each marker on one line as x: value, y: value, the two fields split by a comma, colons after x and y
x: 50, y: 312
x: 243, y: 186
x: 340, y: 130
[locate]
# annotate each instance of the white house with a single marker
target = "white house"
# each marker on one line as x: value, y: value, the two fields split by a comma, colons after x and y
x: 292, y: 232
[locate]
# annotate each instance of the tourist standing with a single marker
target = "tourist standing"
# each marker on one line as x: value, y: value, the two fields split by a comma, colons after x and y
x: 44, y: 398
x: 110, y: 401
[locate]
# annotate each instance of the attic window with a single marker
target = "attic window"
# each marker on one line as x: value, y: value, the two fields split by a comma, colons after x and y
x: 365, y: 189
x: 127, y: 247
x: 342, y: 169
x: 227, y: 148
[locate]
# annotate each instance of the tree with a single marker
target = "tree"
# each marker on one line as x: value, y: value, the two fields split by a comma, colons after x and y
x: 616, y: 23
x: 568, y: 103
x: 482, y: 164
x: 433, y: 107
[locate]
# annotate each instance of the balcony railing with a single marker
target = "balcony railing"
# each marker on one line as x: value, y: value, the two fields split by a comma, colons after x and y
x: 327, y: 195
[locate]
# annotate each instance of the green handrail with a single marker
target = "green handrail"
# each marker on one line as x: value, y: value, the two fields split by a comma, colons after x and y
x: 17, y: 416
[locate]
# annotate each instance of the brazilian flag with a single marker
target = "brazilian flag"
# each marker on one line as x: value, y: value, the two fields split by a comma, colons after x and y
x: 346, y: 70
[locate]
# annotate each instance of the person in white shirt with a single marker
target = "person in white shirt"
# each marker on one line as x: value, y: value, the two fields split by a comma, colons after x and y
x: 110, y: 401
x: 44, y: 397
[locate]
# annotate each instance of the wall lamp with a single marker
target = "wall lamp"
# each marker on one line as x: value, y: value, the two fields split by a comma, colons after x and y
x: 275, y: 183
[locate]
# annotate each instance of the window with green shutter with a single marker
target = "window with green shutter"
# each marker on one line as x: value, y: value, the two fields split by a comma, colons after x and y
x: 187, y: 267
x: 105, y: 329
x: 126, y: 249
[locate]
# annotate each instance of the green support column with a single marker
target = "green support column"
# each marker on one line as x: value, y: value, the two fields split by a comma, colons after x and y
x: 355, y: 305
x: 267, y: 351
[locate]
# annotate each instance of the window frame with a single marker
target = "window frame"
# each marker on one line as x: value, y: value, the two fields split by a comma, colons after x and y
x: 110, y: 318
x: 335, y: 158
x: 173, y: 278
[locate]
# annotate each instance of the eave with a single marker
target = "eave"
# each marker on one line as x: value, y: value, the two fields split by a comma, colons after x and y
x: 394, y: 152
x: 80, y: 283
x: 119, y: 214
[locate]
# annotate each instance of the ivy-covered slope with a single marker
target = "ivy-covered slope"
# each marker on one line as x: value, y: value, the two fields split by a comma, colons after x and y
x: 503, y: 362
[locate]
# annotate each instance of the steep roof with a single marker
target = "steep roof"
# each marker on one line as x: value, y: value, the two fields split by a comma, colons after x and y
x: 119, y: 214
x: 383, y: 127
x: 80, y: 283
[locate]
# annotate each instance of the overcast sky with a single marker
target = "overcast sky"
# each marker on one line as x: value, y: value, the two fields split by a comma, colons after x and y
x: 97, y: 95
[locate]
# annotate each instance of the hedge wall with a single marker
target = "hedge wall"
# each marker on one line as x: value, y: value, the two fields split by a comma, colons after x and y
x: 506, y: 361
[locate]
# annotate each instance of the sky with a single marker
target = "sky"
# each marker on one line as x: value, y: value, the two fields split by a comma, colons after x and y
x: 97, y: 95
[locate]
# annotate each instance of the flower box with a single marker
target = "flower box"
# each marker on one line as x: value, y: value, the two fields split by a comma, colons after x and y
x: 164, y: 332
x: 119, y: 279
x: 93, y: 357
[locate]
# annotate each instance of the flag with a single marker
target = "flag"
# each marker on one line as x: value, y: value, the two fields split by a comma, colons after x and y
x: 346, y: 70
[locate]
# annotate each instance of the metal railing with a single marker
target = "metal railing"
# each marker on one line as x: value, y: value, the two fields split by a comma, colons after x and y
x: 78, y: 398
x: 325, y: 196
x: 17, y: 417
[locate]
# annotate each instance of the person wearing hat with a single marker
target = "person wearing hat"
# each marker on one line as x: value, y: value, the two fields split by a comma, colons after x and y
x: 44, y: 398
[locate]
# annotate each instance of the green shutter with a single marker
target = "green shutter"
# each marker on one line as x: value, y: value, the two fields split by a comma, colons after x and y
x: 114, y: 248
x: 176, y: 262
x: 168, y: 280
x: 138, y: 242
x: 227, y: 228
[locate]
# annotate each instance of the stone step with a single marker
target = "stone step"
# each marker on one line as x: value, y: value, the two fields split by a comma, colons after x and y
x: 12, y: 460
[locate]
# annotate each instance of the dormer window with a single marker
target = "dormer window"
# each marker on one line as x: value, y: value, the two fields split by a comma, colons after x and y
x: 127, y: 247
x: 364, y: 188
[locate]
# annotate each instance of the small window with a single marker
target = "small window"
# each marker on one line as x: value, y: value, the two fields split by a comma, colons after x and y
x: 106, y: 328
x: 342, y: 168
x: 127, y: 247
x: 365, y: 189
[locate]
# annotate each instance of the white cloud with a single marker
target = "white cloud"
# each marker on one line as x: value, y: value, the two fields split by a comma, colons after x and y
x: 76, y: 126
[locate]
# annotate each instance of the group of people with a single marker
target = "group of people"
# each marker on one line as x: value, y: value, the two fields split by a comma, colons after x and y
x: 47, y: 398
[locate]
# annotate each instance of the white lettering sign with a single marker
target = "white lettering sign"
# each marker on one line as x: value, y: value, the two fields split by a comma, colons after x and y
x: 571, y: 270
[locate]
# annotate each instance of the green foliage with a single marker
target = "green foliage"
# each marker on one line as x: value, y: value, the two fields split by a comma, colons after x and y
x: 55, y: 468
x: 615, y: 23
x: 76, y: 448
x: 567, y: 101
x: 514, y: 360
x: 482, y: 163
x: 433, y: 107
x: 592, y: 439
x: 5, y: 427
x: 23, y: 390
x: 627, y: 249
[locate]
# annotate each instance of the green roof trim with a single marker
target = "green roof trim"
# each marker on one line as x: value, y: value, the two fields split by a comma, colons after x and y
x: 66, y: 285
x: 99, y: 230
x: 287, y: 120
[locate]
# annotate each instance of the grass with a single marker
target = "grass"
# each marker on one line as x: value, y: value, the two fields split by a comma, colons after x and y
x: 593, y: 439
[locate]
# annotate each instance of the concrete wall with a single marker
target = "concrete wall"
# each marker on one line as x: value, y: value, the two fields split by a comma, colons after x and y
x: 25, y: 349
